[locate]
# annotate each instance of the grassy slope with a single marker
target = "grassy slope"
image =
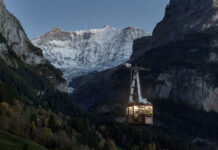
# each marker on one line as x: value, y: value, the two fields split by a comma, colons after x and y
x: 12, y: 142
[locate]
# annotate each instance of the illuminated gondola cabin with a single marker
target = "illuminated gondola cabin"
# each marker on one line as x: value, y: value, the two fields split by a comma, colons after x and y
x: 139, y: 111
x: 139, y: 114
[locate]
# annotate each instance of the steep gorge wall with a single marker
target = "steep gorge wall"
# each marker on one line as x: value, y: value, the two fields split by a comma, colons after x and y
x: 181, y: 17
x: 14, y: 39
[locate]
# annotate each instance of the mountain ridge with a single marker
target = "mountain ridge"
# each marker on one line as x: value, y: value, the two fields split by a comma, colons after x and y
x: 79, y: 52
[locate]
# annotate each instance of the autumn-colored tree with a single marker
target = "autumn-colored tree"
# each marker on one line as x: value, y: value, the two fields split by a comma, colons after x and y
x: 151, y: 146
x: 102, y: 141
x: 111, y: 145
x: 17, y: 106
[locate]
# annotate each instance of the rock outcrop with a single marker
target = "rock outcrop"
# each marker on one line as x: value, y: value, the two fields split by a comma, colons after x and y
x: 181, y: 17
x: 184, y: 16
x: 17, y: 40
x: 13, y: 39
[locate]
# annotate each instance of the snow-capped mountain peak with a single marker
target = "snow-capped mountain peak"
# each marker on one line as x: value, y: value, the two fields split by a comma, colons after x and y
x: 79, y: 52
x: 55, y: 29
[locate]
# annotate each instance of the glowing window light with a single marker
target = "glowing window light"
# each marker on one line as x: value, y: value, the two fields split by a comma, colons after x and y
x: 136, y: 109
x: 141, y: 109
x: 140, y: 114
x: 130, y: 110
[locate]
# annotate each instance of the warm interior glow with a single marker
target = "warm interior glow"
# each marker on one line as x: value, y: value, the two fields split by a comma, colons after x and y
x: 130, y: 110
x: 136, y: 108
x: 140, y: 114
x: 127, y: 110
x: 148, y: 110
x: 142, y: 109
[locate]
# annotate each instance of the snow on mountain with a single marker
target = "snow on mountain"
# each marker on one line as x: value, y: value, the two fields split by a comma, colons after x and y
x: 80, y: 52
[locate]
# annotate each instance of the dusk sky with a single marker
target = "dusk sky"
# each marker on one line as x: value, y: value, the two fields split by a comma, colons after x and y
x: 40, y: 16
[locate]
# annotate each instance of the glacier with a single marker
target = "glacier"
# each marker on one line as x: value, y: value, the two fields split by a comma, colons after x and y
x: 80, y: 52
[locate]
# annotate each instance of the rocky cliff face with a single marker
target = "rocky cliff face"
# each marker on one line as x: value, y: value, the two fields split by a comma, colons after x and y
x: 17, y: 39
x: 181, y: 17
x: 14, y: 39
x: 79, y: 52
x: 184, y: 16
x: 183, y: 66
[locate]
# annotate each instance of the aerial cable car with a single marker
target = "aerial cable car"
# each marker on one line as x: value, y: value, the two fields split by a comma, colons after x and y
x: 139, y: 111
